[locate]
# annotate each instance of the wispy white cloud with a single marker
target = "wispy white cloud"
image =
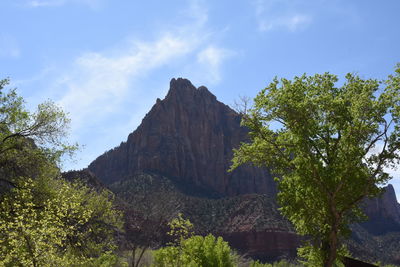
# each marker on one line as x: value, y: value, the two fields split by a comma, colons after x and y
x: 198, y: 12
x: 98, y: 83
x: 291, y: 23
x: 9, y: 47
x: 41, y: 3
x: 211, y: 58
x: 280, y: 14
x: 57, y: 3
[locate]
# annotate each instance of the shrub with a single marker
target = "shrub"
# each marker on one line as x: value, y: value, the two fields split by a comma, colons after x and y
x: 193, y: 251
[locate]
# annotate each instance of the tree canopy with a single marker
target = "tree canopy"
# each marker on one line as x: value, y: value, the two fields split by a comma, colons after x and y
x: 30, y: 142
x: 45, y: 220
x: 328, y: 147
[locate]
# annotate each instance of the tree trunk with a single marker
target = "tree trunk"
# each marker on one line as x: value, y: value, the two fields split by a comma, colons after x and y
x: 140, y: 257
x: 28, y: 243
x: 332, y: 243
x: 133, y: 256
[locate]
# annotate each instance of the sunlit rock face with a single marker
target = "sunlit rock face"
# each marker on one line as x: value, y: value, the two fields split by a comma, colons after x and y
x: 189, y: 137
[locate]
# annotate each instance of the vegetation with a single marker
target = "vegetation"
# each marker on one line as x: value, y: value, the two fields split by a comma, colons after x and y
x: 328, y: 147
x: 44, y: 220
x: 282, y: 263
x: 193, y: 250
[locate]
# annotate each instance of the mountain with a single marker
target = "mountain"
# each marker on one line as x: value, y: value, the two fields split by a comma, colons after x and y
x: 177, y: 161
x: 188, y: 137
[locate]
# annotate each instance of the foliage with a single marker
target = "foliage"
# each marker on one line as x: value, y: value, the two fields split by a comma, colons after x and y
x: 70, y: 224
x: 282, y: 263
x: 30, y: 143
x: 193, y: 251
x: 327, y: 147
x: 45, y: 220
x: 180, y: 228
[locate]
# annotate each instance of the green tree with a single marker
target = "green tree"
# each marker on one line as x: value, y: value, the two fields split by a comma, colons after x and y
x: 327, y: 147
x: 45, y: 220
x: 68, y: 226
x: 31, y: 143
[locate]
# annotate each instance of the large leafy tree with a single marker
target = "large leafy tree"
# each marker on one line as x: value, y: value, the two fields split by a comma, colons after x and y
x: 328, y: 147
x: 45, y: 220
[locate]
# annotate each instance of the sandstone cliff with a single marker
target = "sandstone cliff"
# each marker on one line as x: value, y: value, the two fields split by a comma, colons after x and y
x: 189, y: 137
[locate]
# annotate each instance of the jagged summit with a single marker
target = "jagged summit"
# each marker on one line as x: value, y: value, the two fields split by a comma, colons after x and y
x: 183, y: 89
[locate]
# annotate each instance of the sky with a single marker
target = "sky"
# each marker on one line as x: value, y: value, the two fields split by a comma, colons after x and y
x: 106, y: 62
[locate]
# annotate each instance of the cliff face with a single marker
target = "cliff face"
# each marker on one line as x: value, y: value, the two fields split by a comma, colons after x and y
x: 189, y: 137
x: 383, y: 213
x: 384, y: 207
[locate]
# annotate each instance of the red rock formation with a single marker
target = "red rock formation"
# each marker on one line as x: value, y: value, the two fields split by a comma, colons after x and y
x: 188, y: 136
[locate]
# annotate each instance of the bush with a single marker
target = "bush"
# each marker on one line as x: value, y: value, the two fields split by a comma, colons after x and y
x: 193, y: 251
x: 196, y: 251
x: 282, y: 263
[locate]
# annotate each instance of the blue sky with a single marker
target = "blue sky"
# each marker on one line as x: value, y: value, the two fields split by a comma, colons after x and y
x: 105, y: 62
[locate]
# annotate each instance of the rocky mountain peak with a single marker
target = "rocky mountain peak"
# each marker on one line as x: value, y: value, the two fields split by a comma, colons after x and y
x: 189, y: 137
x: 183, y: 90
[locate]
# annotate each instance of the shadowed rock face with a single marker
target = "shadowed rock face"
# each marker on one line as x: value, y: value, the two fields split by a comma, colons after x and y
x: 189, y: 137
x: 383, y: 213
x: 384, y: 207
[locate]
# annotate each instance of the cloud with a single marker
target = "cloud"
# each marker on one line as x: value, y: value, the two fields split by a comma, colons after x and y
x: 211, y: 58
x: 99, y: 82
x: 9, y: 47
x: 291, y: 23
x: 280, y: 14
x: 197, y: 12
x: 57, y: 3
x: 393, y: 171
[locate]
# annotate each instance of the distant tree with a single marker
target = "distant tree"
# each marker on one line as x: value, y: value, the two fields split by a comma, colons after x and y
x: 146, y: 222
x: 328, y: 147
x: 143, y: 232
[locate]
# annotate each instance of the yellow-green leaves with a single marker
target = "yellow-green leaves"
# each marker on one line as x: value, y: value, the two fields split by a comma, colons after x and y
x: 58, y: 230
x: 193, y: 251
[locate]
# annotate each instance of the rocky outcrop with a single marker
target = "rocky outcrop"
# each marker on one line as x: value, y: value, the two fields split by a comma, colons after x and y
x: 384, y: 207
x: 383, y: 213
x: 189, y: 136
